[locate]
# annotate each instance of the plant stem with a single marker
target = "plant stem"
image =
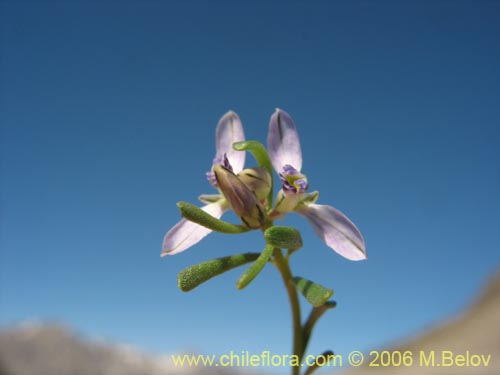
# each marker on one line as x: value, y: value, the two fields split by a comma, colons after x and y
x: 298, y: 335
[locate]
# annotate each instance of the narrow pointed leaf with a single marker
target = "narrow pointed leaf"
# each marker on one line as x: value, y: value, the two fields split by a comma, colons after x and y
x: 198, y: 216
x: 260, y: 154
x: 283, y: 237
x: 314, y: 293
x: 193, y: 276
x: 255, y: 268
x: 327, y: 355
x: 316, y: 313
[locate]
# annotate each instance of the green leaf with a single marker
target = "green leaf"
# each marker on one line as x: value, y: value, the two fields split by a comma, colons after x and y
x: 283, y: 237
x: 198, y: 216
x: 316, y: 313
x: 314, y: 293
x: 255, y: 268
x: 326, y: 356
x: 193, y: 276
x: 259, y: 152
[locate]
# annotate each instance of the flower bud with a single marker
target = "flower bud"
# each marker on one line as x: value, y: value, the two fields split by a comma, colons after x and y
x: 242, y: 200
x: 258, y: 180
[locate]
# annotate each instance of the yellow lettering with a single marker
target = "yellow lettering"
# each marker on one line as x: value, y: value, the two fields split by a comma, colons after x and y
x: 486, y: 359
x: 427, y: 361
x: 460, y: 360
x: 223, y: 360
x: 446, y: 358
x: 254, y: 360
x: 294, y: 360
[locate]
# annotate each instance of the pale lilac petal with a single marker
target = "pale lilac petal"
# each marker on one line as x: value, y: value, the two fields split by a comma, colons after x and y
x: 335, y: 229
x: 283, y: 142
x: 230, y: 130
x: 186, y: 233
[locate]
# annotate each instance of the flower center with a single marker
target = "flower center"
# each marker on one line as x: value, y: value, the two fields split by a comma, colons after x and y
x: 293, y: 181
x: 211, y: 175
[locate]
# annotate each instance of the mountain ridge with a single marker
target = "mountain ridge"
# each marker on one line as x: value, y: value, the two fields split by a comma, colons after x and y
x: 474, y: 331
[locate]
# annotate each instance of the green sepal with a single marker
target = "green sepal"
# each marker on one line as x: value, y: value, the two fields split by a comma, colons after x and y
x: 191, y: 277
x: 283, y: 237
x: 316, y: 294
x: 197, y: 215
x: 310, y: 198
x: 255, y: 268
x: 209, y: 198
x: 260, y: 154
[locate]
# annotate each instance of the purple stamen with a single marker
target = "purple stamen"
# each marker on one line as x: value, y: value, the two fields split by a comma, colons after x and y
x: 227, y: 164
x: 302, y: 185
x: 289, y: 170
x: 292, y: 180
x: 287, y: 187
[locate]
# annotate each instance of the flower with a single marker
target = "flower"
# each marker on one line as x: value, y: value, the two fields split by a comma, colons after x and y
x: 186, y: 233
x: 329, y: 224
x: 241, y: 198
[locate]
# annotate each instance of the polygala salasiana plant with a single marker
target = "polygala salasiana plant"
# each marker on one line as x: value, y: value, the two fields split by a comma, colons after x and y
x: 249, y: 193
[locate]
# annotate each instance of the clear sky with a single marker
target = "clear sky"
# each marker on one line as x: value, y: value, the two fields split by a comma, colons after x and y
x: 108, y: 119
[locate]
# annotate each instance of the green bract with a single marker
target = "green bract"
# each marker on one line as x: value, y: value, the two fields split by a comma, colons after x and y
x: 314, y: 293
x: 283, y: 237
x: 255, y: 268
x: 198, y: 216
x: 191, y: 277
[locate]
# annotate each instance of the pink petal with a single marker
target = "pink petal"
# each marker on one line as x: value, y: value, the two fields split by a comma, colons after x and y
x: 186, y: 233
x: 283, y: 142
x: 230, y: 130
x: 336, y: 230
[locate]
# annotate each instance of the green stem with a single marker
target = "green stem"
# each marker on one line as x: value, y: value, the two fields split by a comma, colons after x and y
x: 298, y: 336
x: 316, y: 313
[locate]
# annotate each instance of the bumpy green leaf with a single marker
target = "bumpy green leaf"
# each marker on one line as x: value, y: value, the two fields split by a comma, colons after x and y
x: 283, y: 237
x: 259, y: 152
x: 193, y: 276
x: 255, y: 268
x: 198, y: 216
x: 314, y: 293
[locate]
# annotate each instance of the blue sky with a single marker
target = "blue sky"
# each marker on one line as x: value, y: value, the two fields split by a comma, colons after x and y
x: 108, y: 119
